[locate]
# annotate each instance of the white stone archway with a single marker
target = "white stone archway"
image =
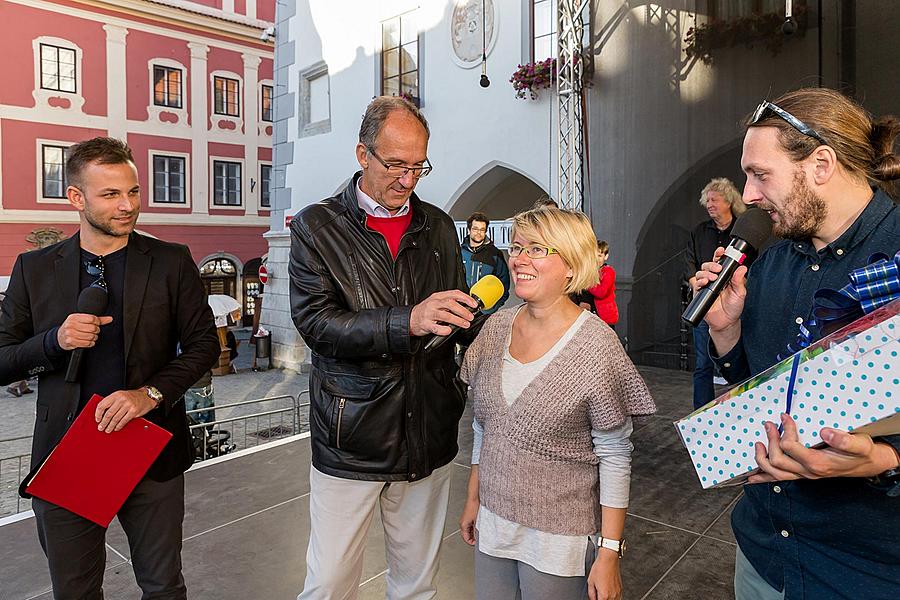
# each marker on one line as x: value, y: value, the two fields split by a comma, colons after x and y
x: 497, y: 189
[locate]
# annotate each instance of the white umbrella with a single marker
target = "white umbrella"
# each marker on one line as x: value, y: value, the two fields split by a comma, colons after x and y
x: 224, y: 306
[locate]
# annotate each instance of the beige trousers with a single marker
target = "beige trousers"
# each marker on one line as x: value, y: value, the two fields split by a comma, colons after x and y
x: 341, y: 511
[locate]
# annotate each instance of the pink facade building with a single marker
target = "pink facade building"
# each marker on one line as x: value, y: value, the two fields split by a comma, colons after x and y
x: 188, y: 84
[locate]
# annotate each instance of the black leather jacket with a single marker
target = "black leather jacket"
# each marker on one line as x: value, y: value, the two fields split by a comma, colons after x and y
x: 381, y: 409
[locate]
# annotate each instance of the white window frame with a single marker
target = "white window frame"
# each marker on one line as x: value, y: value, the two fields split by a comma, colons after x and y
x: 214, y: 117
x: 42, y: 96
x: 264, y: 163
x: 39, y: 170
x: 265, y: 138
x: 212, y: 183
x: 153, y: 110
x: 529, y: 30
x: 307, y: 75
x: 59, y: 64
x: 151, y: 154
x: 413, y: 17
x: 271, y: 84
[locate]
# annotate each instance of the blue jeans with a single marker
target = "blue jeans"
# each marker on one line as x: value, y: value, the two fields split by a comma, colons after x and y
x: 748, y: 584
x: 704, y: 370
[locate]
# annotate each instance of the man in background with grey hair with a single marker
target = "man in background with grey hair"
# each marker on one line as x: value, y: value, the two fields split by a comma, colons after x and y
x: 723, y: 204
x: 375, y: 273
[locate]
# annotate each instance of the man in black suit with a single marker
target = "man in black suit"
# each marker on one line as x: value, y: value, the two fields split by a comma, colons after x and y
x: 156, y: 305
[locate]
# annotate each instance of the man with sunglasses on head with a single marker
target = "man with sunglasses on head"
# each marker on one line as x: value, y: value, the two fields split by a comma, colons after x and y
x: 375, y: 273
x: 155, y: 304
x: 813, y: 523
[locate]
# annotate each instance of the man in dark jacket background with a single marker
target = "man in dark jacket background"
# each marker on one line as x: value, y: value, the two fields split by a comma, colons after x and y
x: 723, y: 204
x: 375, y: 273
x: 481, y: 257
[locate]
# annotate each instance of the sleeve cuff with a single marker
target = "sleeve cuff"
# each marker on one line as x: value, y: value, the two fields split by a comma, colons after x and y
x: 399, y: 339
x: 889, y: 481
x: 51, y: 345
x: 892, y: 441
x: 733, y: 364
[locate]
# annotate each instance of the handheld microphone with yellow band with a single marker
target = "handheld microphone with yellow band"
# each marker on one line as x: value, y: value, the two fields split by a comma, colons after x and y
x: 486, y: 292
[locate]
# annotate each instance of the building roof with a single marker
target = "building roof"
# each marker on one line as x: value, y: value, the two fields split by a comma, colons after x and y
x: 215, y: 13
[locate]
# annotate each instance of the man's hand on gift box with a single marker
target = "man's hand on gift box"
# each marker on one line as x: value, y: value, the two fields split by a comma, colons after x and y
x: 846, y: 455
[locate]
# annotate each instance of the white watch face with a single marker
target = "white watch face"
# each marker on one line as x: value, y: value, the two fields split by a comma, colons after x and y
x: 617, y: 546
x: 611, y: 544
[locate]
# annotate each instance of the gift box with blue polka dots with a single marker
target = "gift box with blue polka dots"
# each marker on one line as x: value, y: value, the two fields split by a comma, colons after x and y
x: 849, y: 380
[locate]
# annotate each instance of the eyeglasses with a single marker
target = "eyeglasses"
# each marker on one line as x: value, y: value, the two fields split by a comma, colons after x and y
x: 398, y: 171
x: 534, y: 251
x: 96, y: 268
x: 787, y: 117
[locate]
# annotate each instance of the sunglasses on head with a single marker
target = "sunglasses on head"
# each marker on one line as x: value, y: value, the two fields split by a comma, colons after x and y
x: 766, y: 107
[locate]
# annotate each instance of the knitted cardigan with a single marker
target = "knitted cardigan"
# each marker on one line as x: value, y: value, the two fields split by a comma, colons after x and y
x: 537, y: 465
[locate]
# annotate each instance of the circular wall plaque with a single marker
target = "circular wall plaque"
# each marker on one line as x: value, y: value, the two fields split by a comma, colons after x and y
x: 466, y: 31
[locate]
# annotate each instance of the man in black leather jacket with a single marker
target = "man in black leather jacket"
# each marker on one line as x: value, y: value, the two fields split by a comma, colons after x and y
x: 375, y: 273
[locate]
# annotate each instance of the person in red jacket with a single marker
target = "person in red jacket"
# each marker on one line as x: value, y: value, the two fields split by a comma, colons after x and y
x: 604, y: 293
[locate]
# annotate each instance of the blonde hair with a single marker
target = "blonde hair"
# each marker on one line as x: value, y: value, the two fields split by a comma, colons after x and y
x: 723, y: 185
x: 570, y: 233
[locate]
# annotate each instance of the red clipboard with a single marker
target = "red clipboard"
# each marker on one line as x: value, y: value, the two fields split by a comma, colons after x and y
x: 92, y: 473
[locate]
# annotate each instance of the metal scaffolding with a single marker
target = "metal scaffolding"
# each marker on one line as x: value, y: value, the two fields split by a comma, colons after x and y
x: 570, y: 116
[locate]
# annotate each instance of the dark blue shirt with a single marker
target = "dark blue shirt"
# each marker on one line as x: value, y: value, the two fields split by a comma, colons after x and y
x: 827, y: 538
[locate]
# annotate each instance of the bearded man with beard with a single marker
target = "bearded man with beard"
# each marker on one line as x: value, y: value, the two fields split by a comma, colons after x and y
x: 814, y: 523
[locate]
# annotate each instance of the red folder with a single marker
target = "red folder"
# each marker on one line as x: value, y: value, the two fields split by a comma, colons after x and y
x: 92, y: 473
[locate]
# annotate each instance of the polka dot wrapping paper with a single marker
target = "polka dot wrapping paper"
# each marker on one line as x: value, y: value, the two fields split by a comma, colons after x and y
x: 849, y: 380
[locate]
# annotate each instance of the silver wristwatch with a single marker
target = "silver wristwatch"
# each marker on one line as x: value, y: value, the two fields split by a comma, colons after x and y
x: 617, y: 546
x: 154, y: 395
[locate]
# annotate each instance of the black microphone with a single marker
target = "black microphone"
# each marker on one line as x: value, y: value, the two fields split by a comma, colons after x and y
x: 750, y: 232
x: 91, y: 301
x: 486, y: 291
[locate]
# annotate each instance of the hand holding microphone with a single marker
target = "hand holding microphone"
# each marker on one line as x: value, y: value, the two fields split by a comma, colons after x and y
x: 726, y: 275
x: 80, y: 330
x: 483, y: 295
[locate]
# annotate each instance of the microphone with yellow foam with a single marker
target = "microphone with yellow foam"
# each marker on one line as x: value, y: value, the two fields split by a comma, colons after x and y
x: 486, y: 292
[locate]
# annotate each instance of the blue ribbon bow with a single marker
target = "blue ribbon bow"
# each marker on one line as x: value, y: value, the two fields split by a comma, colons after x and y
x: 870, y: 287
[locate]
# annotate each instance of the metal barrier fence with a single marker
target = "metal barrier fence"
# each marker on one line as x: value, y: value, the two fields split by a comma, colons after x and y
x: 210, y: 440
x: 13, y: 470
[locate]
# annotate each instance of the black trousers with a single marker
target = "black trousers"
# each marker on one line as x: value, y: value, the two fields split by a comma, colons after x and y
x: 76, y: 548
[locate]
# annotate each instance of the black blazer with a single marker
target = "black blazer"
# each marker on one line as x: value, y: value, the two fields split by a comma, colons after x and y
x: 164, y: 307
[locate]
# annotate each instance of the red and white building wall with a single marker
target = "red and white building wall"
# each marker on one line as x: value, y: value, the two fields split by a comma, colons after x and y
x: 187, y: 83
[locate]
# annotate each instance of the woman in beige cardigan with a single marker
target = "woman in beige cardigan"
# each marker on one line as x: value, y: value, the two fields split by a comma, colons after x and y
x: 554, y: 394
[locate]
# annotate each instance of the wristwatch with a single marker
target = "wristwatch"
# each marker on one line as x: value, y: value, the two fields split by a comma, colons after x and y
x: 617, y: 546
x: 154, y: 395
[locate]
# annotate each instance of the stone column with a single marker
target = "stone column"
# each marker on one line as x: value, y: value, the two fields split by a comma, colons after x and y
x: 251, y: 137
x: 200, y: 129
x: 288, y: 349
x: 116, y: 89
